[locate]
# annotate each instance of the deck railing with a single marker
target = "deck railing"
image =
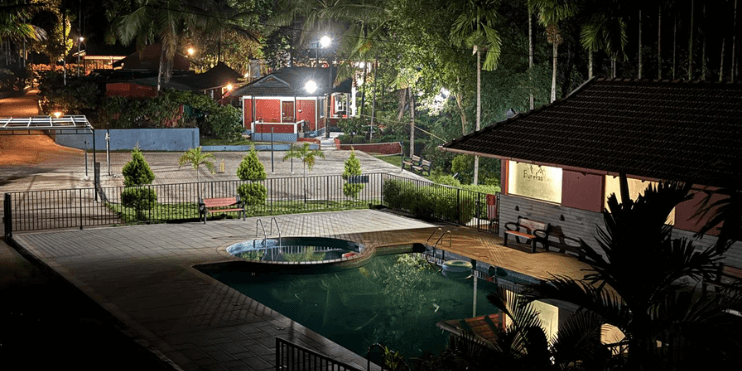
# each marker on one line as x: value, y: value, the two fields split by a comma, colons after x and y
x: 290, y: 356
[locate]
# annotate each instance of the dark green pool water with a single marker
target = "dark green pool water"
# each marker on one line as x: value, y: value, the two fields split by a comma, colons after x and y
x: 395, y: 300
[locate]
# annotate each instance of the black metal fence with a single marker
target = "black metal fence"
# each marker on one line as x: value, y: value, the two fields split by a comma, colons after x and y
x: 78, y: 208
x: 290, y: 356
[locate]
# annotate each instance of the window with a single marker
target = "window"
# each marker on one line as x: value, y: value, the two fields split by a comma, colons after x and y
x: 322, y: 103
x: 341, y: 104
x: 535, y: 181
x: 636, y: 188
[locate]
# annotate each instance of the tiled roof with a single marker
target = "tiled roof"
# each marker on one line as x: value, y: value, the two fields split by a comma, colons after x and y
x: 290, y: 81
x: 688, y: 131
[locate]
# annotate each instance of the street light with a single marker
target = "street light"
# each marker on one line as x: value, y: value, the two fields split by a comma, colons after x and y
x: 80, y: 40
x: 310, y: 86
x: 325, y: 41
x: 191, y: 51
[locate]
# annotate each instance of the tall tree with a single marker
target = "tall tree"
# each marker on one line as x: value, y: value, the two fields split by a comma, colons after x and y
x: 604, y: 29
x: 475, y: 27
x: 551, y: 12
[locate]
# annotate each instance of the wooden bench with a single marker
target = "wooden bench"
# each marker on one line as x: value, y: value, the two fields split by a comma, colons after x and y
x: 220, y: 205
x: 526, y: 228
x: 554, y: 237
x: 424, y: 166
x: 410, y: 162
x: 725, y: 278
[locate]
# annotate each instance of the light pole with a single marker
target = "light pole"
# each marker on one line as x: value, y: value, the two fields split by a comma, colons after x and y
x: 79, y: 42
x: 325, y: 41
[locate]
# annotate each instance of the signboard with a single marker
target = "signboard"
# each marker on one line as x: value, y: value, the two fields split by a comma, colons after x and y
x: 540, y: 182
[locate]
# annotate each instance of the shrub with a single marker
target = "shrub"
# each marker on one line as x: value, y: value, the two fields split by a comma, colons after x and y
x: 428, y: 201
x: 224, y: 122
x: 252, y: 193
x: 140, y: 199
x: 251, y: 168
x: 352, y: 169
x: 137, y: 171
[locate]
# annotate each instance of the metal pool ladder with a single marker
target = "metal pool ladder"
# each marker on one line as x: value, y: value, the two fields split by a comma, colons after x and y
x: 443, y: 234
x: 265, y: 235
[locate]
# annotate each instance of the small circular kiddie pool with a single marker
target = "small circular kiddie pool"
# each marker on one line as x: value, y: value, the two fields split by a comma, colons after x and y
x: 300, y: 251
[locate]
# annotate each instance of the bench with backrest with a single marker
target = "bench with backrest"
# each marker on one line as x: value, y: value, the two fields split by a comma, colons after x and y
x: 424, y: 166
x: 725, y: 278
x: 526, y: 229
x: 553, y: 236
x: 410, y: 162
x: 220, y: 205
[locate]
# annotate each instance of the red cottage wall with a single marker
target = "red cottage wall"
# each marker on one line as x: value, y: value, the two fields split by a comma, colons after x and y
x: 268, y: 110
x: 684, y: 213
x: 277, y: 128
x: 582, y: 191
x: 247, y: 112
x: 305, y: 111
x: 126, y: 89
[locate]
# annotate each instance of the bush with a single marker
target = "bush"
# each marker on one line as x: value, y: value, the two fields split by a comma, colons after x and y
x: 251, y: 168
x: 140, y: 199
x: 352, y: 169
x: 224, y: 122
x: 137, y: 171
x: 431, y: 201
x: 252, y: 193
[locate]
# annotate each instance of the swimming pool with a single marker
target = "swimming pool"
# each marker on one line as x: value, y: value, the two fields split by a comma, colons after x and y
x: 395, y: 300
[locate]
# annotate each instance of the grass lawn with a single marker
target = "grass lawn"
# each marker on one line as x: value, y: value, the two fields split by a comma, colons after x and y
x: 395, y: 160
x: 189, y: 211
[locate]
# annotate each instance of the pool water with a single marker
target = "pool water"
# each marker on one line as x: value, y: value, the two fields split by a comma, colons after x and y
x: 395, y: 300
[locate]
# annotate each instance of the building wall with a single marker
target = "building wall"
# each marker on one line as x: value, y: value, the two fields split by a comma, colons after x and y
x: 278, y: 128
x: 127, y: 89
x: 277, y: 137
x: 582, y: 191
x: 575, y: 223
x: 684, y: 213
x: 247, y: 112
x: 305, y: 111
x: 268, y: 110
x: 180, y: 139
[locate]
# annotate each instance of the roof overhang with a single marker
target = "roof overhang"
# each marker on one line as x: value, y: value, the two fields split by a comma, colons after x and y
x: 72, y: 124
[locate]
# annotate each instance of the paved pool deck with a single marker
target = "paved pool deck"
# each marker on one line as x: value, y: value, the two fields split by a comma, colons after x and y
x: 144, y: 276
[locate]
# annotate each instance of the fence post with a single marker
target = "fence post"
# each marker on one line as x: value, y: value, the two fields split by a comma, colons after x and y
x: 80, y: 193
x: 327, y: 193
x: 458, y: 204
x: 7, y: 217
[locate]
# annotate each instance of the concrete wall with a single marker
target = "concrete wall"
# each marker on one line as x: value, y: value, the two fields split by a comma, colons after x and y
x: 148, y: 139
x: 277, y: 137
x: 383, y: 148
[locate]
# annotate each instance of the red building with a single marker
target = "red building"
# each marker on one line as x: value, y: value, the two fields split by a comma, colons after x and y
x: 561, y: 162
x: 282, y: 102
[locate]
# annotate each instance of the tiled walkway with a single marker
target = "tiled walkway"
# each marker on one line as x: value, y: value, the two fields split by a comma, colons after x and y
x: 144, y: 276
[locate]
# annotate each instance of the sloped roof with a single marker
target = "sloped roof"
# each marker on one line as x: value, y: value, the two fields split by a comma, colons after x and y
x: 150, y: 60
x: 290, y: 81
x: 218, y: 76
x: 688, y: 131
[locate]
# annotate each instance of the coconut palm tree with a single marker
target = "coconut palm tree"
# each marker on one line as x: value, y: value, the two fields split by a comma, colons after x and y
x: 551, y: 12
x: 603, y: 29
x: 475, y: 27
x: 640, y: 267
x: 196, y: 158
x: 307, y: 156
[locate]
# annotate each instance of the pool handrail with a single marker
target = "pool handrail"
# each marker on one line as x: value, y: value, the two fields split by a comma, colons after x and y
x: 450, y: 238
x: 265, y: 235
x: 432, y: 234
x: 273, y: 220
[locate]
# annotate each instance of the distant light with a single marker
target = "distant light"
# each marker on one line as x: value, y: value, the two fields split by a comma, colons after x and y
x: 57, y: 114
x: 229, y: 87
x: 191, y: 51
x: 247, y: 74
x: 82, y: 39
x: 310, y: 86
x: 361, y: 64
x: 325, y: 41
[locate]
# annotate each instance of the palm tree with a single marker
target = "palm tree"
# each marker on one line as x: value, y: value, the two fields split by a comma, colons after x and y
x: 639, y: 267
x: 475, y: 26
x: 551, y: 12
x: 307, y: 156
x: 196, y: 158
x: 603, y: 29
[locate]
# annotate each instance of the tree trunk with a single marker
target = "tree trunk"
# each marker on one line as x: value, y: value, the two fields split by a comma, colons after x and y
x: 640, y: 44
x: 703, y: 47
x: 479, y: 112
x: 555, y: 46
x: 160, y: 69
x: 363, y: 95
x: 674, y: 45
x: 734, y: 43
x: 460, y: 105
x: 690, y: 41
x: 589, y: 64
x: 373, y: 104
x: 64, y: 45
x: 402, y: 93
x: 530, y: 59
x: 721, y: 63
x: 412, y: 122
x: 659, y: 42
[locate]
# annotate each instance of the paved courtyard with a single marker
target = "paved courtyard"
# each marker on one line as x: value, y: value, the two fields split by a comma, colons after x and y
x: 144, y: 276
